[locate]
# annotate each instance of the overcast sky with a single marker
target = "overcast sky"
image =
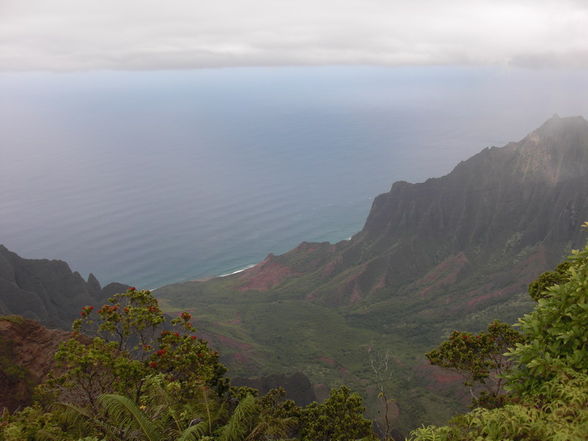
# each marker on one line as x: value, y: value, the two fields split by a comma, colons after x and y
x: 178, y: 34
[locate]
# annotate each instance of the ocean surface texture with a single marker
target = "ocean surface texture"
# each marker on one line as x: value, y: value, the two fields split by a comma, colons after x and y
x: 152, y: 178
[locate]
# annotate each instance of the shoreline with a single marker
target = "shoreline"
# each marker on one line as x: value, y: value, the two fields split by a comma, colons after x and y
x: 235, y: 272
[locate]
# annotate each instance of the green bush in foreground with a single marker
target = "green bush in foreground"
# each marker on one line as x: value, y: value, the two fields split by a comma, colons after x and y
x: 558, y: 412
x: 548, y: 382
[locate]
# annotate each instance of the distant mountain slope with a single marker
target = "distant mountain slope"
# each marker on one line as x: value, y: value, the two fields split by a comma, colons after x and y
x: 455, y: 251
x: 47, y: 290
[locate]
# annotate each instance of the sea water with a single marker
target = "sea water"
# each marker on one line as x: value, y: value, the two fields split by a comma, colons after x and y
x: 150, y: 178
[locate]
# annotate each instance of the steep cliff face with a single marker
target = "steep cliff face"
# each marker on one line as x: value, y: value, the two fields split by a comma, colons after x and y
x: 26, y: 358
x: 533, y: 187
x: 47, y: 290
x: 500, y: 217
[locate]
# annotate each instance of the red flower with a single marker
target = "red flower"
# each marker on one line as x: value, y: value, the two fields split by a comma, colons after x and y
x: 186, y: 316
x: 86, y: 310
x: 193, y: 337
x: 176, y: 334
x: 132, y: 288
x: 153, y: 364
x: 161, y: 352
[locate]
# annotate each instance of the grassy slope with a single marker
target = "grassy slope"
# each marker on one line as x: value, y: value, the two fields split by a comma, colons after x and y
x: 279, y: 331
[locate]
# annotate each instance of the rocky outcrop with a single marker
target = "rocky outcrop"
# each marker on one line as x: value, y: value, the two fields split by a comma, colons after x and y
x: 26, y: 358
x: 47, y: 290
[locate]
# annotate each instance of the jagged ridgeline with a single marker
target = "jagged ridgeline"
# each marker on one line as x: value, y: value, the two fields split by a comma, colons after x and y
x: 450, y: 253
x: 47, y: 290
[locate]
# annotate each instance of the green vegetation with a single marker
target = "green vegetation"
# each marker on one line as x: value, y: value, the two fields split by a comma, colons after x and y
x: 339, y: 418
x: 12, y: 318
x: 548, y: 381
x: 481, y: 360
x: 127, y: 374
x: 538, y: 288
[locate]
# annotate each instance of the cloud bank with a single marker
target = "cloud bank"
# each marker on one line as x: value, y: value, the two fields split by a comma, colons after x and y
x: 184, y: 34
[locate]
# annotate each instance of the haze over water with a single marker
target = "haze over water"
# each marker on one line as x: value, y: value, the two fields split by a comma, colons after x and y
x: 150, y: 178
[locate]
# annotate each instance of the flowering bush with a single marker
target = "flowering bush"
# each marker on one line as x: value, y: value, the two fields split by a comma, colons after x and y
x: 129, y: 343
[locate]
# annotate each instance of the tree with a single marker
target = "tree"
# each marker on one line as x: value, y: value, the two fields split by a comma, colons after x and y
x: 130, y: 349
x: 339, y: 418
x: 380, y: 366
x: 480, y: 359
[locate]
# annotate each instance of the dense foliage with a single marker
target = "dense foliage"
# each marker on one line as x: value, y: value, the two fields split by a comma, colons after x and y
x: 338, y: 418
x: 560, y: 275
x: 130, y: 374
x: 548, y: 381
x: 481, y: 359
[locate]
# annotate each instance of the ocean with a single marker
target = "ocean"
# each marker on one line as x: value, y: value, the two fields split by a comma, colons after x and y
x: 150, y: 178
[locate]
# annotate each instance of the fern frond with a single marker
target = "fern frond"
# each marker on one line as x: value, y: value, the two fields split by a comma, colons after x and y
x: 241, y: 421
x: 127, y: 414
x: 274, y: 428
x: 195, y: 432
x: 72, y: 415
x: 78, y: 418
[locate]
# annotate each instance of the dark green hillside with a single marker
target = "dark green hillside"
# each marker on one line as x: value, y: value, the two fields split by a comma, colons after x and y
x: 452, y: 252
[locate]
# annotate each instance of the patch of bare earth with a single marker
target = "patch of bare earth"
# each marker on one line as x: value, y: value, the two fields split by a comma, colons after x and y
x: 264, y: 276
